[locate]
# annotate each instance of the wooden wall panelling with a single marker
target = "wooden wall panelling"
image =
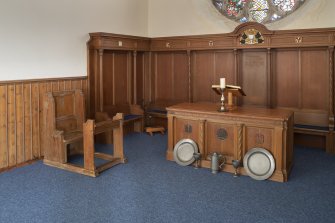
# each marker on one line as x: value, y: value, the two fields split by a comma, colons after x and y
x: 139, y: 79
x: 109, y: 76
x: 11, y: 116
x: 254, y: 67
x: 20, y: 117
x: 43, y: 88
x: 315, y: 86
x: 315, y: 79
x: 19, y: 105
x: 269, y: 72
x: 224, y: 66
x: 163, y: 76
x: 147, y: 77
x: 286, y: 79
x: 331, y: 87
x: 3, y: 126
x: 35, y: 113
x: 27, y: 121
x: 203, y: 74
x: 116, y: 77
x: 130, y: 72
x: 91, y: 69
x: 171, y: 77
x: 181, y: 77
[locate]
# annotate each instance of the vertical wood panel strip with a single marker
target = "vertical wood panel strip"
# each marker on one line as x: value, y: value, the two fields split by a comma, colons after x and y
x: 235, y: 67
x: 156, y: 76
x: 11, y: 126
x: 113, y: 76
x: 172, y: 75
x: 269, y: 88
x: 331, y: 88
x: 135, y: 77
x: 194, y: 71
x: 35, y: 120
x: 189, y: 76
x: 101, y: 90
x: 31, y: 120
x: 3, y: 126
x: 23, y: 124
x: 15, y: 122
x: 214, y: 75
x: 26, y: 125
x: 7, y: 140
x: 129, y: 80
x: 300, y: 79
x: 143, y: 79
x: 43, y: 88
x: 150, y: 77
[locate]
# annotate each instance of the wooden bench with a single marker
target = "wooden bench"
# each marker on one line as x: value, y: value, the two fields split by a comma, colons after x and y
x: 325, y: 132
x: 133, y: 116
x: 156, y: 114
x: 63, y: 126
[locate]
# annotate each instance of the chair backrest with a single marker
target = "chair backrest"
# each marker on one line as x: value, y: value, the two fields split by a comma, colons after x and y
x: 64, y: 110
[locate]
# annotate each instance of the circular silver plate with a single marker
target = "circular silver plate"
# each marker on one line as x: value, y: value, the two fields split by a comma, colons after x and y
x: 183, y: 152
x: 259, y: 163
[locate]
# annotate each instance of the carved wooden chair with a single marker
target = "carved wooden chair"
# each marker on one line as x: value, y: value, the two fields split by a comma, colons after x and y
x: 64, y: 127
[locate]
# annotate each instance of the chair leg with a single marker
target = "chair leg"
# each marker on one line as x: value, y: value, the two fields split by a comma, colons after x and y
x: 88, y: 128
x: 330, y: 142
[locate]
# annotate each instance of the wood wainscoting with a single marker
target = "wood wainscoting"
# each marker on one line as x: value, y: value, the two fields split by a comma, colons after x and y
x: 286, y: 69
x: 20, y: 117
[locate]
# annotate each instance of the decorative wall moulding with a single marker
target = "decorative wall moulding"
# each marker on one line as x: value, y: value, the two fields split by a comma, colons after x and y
x: 261, y: 38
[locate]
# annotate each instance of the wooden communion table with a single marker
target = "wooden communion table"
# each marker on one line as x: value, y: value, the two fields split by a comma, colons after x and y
x: 245, y: 129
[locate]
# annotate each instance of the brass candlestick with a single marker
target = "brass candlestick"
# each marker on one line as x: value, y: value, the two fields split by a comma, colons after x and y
x: 222, y: 100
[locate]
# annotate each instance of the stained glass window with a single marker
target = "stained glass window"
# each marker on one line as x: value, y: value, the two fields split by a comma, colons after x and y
x: 262, y: 11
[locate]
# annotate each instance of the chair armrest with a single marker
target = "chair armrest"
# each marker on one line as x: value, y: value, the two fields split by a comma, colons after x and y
x: 136, y: 110
x: 118, y: 116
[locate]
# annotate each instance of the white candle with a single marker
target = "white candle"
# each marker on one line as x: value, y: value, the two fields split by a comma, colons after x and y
x: 222, y: 83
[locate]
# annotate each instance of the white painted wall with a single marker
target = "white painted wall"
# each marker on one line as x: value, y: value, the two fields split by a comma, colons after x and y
x: 46, y: 38
x: 192, y: 17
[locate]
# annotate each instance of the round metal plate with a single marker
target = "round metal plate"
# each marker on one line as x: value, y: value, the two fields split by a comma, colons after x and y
x: 183, y: 152
x: 259, y: 163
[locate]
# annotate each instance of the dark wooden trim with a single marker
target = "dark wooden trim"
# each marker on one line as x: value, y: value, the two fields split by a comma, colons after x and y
x: 42, y: 80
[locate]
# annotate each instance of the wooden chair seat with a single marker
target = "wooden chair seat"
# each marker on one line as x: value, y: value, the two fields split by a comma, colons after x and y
x: 71, y: 137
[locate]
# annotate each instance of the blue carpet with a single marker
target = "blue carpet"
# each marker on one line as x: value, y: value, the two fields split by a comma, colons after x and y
x: 150, y: 189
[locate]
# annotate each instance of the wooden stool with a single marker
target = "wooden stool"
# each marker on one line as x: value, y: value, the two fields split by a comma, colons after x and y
x: 151, y: 130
